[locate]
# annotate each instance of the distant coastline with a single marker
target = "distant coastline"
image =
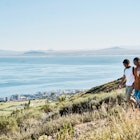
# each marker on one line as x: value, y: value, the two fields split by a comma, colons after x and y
x: 53, y: 94
x: 108, y: 51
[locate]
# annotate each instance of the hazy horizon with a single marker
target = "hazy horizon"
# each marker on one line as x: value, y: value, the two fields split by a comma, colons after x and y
x: 129, y: 48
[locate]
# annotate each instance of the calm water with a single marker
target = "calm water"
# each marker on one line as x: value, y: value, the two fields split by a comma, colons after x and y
x: 25, y: 75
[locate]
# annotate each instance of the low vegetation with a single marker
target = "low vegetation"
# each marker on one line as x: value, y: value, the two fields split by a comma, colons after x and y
x: 99, y: 116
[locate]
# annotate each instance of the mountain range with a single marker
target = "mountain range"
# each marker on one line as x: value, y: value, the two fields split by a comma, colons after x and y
x: 107, y: 51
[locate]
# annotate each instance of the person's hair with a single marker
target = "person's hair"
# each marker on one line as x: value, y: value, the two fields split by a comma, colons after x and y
x: 126, y: 61
x: 136, y: 59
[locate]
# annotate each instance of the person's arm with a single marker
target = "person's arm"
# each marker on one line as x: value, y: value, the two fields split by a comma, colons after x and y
x: 122, y: 82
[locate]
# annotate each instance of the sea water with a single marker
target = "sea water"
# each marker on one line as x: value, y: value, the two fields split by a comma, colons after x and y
x: 28, y: 75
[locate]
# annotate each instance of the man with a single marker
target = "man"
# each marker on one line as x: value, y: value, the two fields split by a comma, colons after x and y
x: 129, y: 78
x: 137, y: 80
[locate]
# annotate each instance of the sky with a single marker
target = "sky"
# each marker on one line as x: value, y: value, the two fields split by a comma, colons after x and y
x: 69, y: 24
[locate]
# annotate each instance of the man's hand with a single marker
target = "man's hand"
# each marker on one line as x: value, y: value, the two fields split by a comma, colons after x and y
x: 119, y: 86
x: 132, y: 87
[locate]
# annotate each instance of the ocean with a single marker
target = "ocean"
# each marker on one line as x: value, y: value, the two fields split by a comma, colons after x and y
x: 29, y: 75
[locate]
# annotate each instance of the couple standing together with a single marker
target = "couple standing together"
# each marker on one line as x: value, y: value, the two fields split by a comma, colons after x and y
x: 132, y: 78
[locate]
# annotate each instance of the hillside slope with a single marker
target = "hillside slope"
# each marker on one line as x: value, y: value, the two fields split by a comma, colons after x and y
x: 108, y: 87
x: 93, y: 115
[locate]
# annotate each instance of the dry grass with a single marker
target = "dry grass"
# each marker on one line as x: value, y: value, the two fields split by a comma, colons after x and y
x: 120, y: 127
x: 85, y: 116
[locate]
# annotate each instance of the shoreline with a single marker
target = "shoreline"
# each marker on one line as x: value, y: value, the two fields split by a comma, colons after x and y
x: 40, y: 95
x: 53, y: 94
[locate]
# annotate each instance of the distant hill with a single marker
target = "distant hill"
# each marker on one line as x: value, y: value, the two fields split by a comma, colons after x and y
x: 110, y: 51
x: 115, y: 51
x: 107, y: 51
x: 34, y: 53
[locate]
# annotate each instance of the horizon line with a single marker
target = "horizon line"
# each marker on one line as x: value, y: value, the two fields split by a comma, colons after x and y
x: 121, y: 47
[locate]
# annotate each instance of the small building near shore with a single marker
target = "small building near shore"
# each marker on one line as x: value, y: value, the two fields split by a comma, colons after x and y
x: 15, y: 97
x: 2, y: 100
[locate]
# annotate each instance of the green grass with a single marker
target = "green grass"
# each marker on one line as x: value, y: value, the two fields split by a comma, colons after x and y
x: 8, y: 107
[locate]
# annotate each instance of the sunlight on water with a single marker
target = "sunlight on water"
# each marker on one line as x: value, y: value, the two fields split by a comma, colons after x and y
x: 31, y: 74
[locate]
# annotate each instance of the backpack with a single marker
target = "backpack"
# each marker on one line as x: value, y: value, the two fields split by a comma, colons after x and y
x: 126, y: 68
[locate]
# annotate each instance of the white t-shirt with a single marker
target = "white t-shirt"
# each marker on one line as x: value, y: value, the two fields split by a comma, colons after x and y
x: 128, y: 72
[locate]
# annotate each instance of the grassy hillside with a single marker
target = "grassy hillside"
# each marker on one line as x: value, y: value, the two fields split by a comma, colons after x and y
x: 84, y: 116
x: 6, y: 108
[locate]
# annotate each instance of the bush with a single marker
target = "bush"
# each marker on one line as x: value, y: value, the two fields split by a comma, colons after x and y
x: 8, y: 124
x: 47, y: 107
x: 62, y: 98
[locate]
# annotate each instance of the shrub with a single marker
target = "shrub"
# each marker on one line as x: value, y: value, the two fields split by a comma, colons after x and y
x: 47, y: 107
x: 8, y: 124
x: 62, y: 98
